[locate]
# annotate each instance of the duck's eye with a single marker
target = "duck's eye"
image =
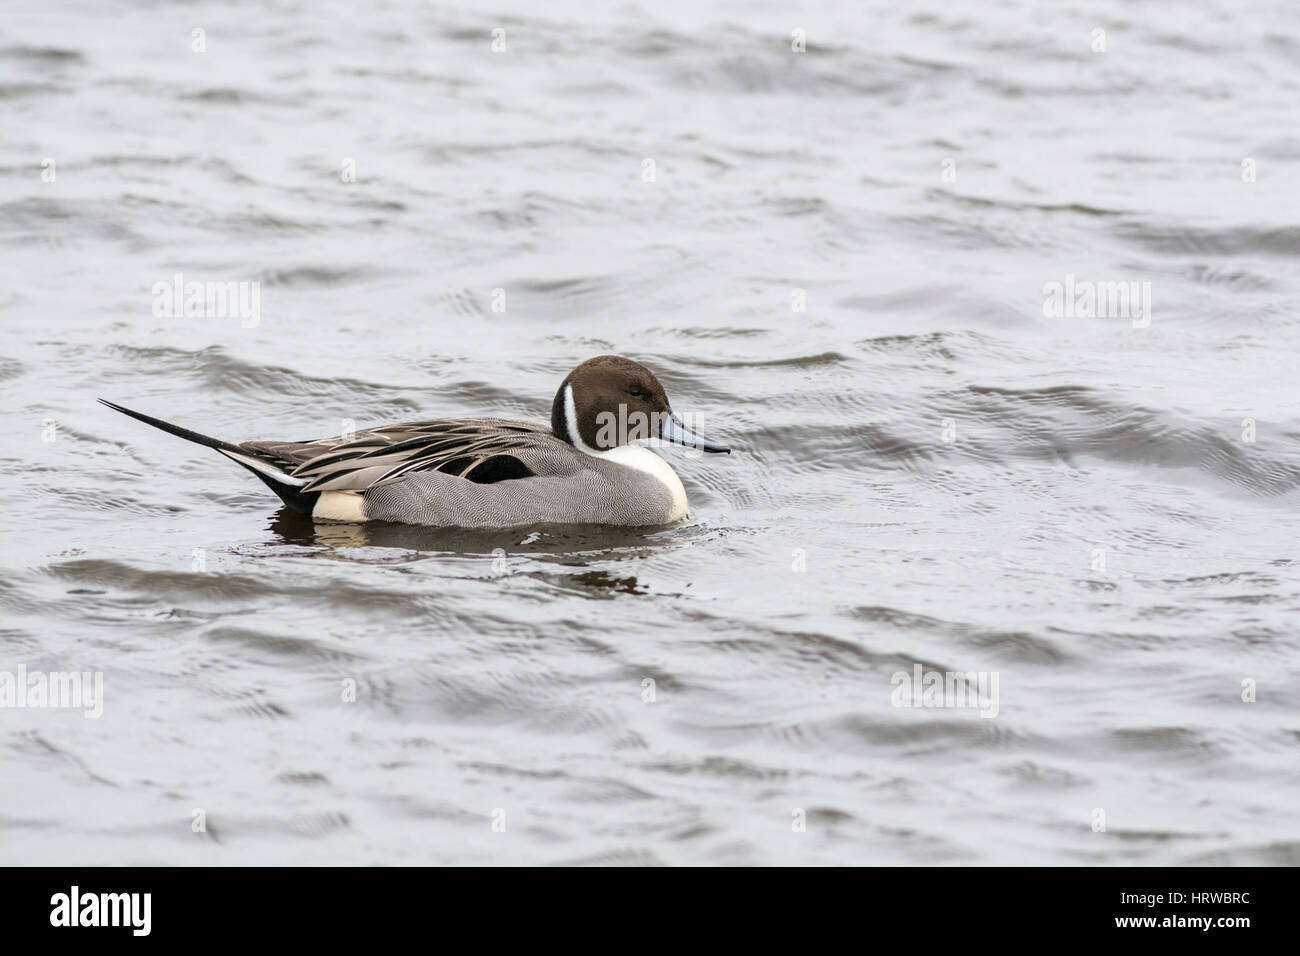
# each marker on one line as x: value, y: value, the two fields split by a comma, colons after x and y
x: 634, y: 392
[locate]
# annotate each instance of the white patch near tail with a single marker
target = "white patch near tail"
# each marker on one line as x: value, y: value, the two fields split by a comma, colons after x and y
x: 265, y: 468
x: 340, y: 506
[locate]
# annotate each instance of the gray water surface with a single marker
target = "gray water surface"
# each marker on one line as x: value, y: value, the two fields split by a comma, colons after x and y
x: 1100, y: 510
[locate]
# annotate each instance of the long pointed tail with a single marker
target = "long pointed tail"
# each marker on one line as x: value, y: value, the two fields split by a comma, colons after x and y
x: 176, y: 430
x: 276, y: 478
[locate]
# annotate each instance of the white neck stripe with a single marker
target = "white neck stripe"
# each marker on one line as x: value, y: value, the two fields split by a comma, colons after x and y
x: 571, y: 423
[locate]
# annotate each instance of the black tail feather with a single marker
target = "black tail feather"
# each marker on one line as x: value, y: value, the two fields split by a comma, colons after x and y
x: 291, y: 494
x: 303, y: 502
x: 176, y: 430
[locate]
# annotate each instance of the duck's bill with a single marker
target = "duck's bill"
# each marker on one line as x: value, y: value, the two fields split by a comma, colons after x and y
x: 674, y: 431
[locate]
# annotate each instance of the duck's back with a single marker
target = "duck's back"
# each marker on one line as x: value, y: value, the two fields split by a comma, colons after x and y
x: 481, y: 450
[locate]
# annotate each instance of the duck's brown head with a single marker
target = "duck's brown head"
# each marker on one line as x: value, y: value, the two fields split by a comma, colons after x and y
x: 609, y: 401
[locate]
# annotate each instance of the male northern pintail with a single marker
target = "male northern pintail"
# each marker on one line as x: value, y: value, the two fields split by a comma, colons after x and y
x: 491, y: 472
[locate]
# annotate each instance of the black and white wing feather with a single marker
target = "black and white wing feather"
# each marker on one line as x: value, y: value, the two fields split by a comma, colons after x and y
x: 482, y: 450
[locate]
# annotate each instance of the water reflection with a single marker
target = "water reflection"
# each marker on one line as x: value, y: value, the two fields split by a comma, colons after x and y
x: 574, y: 543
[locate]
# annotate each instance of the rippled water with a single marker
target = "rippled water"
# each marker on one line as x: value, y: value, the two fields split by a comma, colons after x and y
x: 928, y: 469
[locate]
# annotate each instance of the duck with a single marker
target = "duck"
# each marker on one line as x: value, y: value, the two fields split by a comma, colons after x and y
x: 590, y: 466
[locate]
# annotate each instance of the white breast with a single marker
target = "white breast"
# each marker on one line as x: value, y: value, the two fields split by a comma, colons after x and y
x: 643, y: 459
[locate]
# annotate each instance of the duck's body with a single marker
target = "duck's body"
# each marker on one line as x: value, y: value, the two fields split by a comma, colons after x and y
x: 478, y: 472
x: 487, y: 472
